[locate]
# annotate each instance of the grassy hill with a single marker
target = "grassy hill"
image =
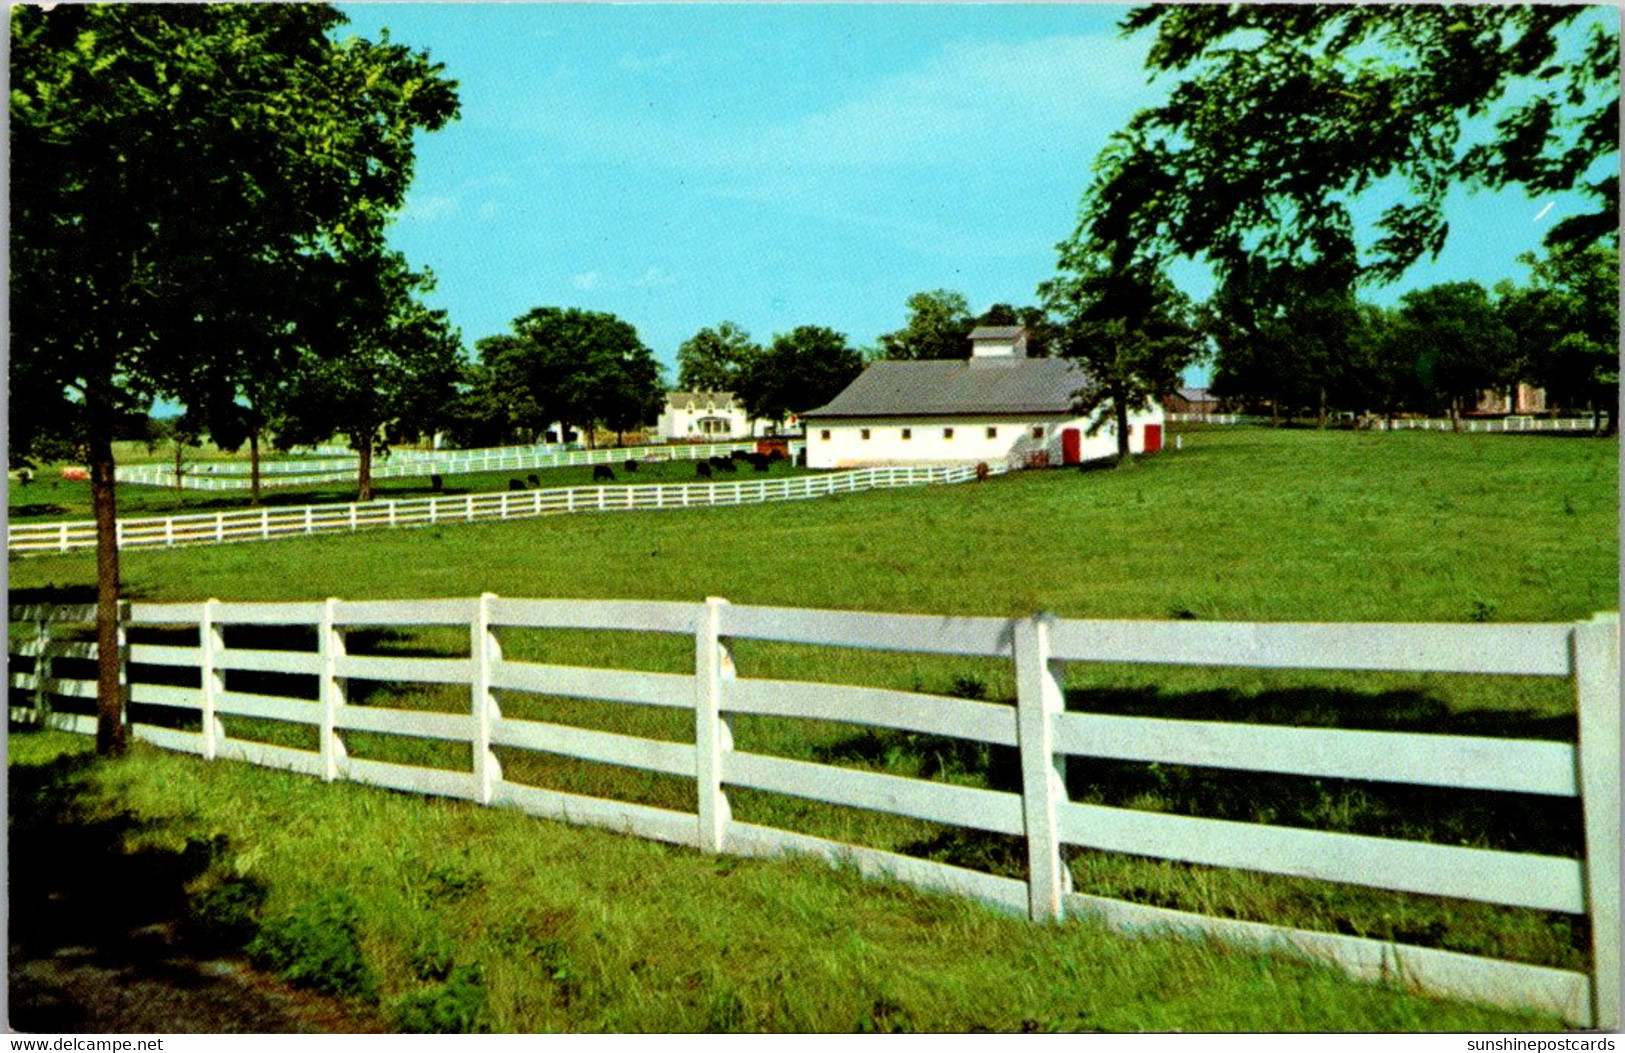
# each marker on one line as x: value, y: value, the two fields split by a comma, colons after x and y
x: 1245, y: 524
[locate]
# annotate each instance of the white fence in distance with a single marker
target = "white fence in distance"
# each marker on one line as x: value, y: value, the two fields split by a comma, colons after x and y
x: 1585, y: 653
x: 264, y: 524
x: 1500, y: 424
x: 234, y: 475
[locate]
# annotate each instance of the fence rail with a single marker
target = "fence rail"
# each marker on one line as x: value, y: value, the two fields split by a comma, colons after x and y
x: 1506, y: 424
x: 264, y: 524
x: 42, y: 638
x: 234, y: 475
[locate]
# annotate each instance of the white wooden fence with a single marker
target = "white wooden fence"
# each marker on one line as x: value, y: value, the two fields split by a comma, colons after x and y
x: 234, y: 475
x: 263, y: 524
x: 1500, y: 424
x: 1046, y: 735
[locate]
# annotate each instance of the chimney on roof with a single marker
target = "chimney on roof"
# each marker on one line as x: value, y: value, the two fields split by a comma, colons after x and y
x: 991, y: 344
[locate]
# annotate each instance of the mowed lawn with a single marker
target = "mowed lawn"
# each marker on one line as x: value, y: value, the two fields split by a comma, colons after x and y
x: 1244, y: 524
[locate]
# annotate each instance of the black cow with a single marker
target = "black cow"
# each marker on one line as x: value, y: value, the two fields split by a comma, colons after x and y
x: 631, y: 464
x: 702, y: 470
x: 759, y: 461
x: 437, y: 484
x: 516, y: 484
x: 534, y: 479
x: 602, y: 473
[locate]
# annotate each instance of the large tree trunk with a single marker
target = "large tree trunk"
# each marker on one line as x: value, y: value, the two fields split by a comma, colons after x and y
x: 1120, y: 407
x: 1455, y: 415
x: 254, y: 466
x: 110, y: 740
x: 180, y: 449
x: 363, y: 449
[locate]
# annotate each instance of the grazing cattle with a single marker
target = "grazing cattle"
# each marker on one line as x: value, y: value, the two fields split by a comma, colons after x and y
x: 534, y: 479
x: 702, y: 470
x: 739, y: 455
x: 777, y: 454
x: 981, y: 472
x: 631, y: 464
x: 727, y: 464
x: 602, y: 473
x: 516, y: 484
x: 759, y: 461
x: 437, y: 484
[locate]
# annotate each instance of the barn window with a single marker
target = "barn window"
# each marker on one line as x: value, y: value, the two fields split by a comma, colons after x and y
x: 947, y: 433
x: 1038, y: 433
x: 824, y: 435
x: 908, y: 433
x: 864, y: 434
x: 993, y: 433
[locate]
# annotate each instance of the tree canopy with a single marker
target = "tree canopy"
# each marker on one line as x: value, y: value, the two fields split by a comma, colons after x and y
x: 170, y: 164
x: 1285, y: 114
x: 938, y: 327
x: 801, y: 370
x: 715, y: 359
x: 571, y: 367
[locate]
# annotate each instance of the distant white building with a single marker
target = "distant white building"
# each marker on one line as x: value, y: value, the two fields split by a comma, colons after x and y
x: 999, y: 405
x: 709, y: 415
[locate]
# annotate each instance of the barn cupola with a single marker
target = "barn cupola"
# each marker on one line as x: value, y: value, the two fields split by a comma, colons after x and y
x: 997, y: 345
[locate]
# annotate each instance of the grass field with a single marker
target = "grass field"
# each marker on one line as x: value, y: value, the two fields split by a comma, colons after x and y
x: 1242, y: 524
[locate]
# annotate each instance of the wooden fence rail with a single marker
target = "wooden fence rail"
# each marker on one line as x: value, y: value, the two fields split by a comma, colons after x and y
x: 233, y: 475
x: 715, y: 690
x: 1502, y: 424
x: 263, y: 524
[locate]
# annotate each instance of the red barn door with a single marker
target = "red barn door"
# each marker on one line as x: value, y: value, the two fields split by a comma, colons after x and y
x: 1153, y: 438
x: 1071, y: 446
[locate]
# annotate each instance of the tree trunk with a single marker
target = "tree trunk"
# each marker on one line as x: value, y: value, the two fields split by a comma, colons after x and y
x: 254, y: 466
x: 1120, y: 407
x: 1455, y: 415
x: 363, y: 449
x: 110, y: 739
x: 1320, y: 421
x: 180, y: 448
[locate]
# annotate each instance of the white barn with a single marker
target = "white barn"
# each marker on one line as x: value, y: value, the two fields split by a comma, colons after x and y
x: 708, y: 416
x: 999, y: 405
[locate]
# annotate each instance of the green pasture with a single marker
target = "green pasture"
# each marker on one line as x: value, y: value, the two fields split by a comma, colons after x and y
x: 1239, y: 524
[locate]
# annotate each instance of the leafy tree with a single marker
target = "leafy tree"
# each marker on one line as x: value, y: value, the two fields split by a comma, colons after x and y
x: 1042, y: 335
x: 1286, y: 113
x: 165, y: 158
x: 801, y: 370
x: 1565, y: 326
x: 1462, y: 346
x: 391, y: 375
x: 714, y: 359
x: 1129, y: 326
x: 939, y: 325
x: 1285, y: 335
x: 572, y: 367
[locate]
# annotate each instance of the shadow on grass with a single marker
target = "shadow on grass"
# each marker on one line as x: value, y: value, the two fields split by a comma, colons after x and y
x: 101, y: 935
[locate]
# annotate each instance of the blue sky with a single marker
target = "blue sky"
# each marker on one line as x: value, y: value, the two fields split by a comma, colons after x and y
x: 785, y: 164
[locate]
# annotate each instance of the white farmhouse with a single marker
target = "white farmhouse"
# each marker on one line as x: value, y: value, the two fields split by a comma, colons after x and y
x: 999, y: 405
x: 708, y: 416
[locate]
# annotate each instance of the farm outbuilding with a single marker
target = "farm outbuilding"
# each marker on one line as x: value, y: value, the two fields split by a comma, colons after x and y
x: 997, y: 405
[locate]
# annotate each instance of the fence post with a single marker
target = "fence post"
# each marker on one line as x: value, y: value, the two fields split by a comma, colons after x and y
x: 212, y: 679
x: 265, y: 523
x: 220, y: 527
x: 1038, y: 702
x: 712, y: 736
x: 330, y: 646
x: 42, y: 667
x: 486, y: 651
x: 1596, y: 686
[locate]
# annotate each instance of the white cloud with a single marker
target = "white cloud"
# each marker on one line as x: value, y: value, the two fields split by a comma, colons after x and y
x: 653, y: 278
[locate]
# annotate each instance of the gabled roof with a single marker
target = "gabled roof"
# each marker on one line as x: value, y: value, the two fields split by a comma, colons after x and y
x: 941, y: 389
x: 1195, y: 394
x: 691, y: 400
x: 995, y: 332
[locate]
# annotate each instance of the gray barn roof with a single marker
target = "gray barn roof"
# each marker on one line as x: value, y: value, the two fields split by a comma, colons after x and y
x: 938, y: 389
x: 995, y: 332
